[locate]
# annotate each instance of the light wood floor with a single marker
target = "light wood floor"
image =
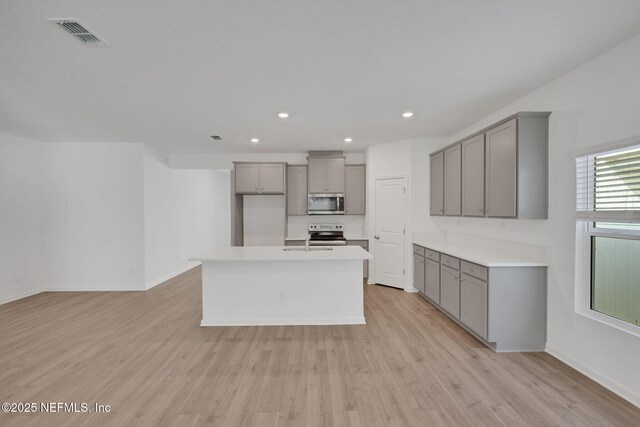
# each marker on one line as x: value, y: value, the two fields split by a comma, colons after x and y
x: 144, y: 354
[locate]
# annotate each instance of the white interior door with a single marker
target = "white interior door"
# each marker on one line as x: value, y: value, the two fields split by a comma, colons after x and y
x: 389, y: 232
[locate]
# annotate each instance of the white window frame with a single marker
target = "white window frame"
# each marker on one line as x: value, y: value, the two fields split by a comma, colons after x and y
x: 585, y: 230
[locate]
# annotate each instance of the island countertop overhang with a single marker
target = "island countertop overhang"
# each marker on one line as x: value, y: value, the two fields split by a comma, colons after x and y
x: 278, y: 253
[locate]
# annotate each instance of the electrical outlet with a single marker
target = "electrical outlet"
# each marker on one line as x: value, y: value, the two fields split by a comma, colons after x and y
x: 16, y: 278
x: 283, y: 298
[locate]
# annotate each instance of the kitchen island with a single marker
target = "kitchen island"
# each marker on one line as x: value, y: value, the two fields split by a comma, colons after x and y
x: 275, y: 285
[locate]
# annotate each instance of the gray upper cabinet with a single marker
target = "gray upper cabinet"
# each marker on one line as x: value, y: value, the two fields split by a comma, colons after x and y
x: 473, y: 176
x: 317, y: 172
x: 272, y: 178
x: 436, y: 184
x: 247, y: 178
x: 503, y: 171
x: 501, y: 164
x: 297, y: 190
x: 452, y: 180
x: 326, y: 175
x: 259, y: 178
x: 354, y: 195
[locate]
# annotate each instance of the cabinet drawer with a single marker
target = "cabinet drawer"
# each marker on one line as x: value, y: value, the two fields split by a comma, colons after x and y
x: 450, y: 261
x: 432, y: 255
x: 474, y: 270
x: 418, y: 250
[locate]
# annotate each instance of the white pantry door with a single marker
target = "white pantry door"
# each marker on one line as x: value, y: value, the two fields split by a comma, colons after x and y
x: 389, y: 232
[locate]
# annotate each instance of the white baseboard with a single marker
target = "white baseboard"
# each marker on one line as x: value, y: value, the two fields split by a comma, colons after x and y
x: 98, y: 289
x: 411, y: 290
x: 16, y: 297
x: 267, y: 322
x: 184, y: 269
x: 621, y: 391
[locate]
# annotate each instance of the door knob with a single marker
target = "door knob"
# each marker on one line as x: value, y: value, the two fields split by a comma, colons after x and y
x: 376, y: 237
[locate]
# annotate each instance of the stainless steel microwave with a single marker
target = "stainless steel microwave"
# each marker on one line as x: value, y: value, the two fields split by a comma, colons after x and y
x: 326, y: 204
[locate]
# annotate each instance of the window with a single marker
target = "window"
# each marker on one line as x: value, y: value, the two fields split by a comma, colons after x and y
x: 608, y: 208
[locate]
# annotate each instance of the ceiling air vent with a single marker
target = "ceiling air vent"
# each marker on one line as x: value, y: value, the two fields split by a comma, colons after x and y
x: 80, y: 32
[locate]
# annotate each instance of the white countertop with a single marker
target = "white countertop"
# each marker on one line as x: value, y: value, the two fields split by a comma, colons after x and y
x: 276, y: 253
x: 348, y: 236
x: 489, y: 255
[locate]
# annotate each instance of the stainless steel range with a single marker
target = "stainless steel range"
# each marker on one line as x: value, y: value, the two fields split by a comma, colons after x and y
x: 326, y: 235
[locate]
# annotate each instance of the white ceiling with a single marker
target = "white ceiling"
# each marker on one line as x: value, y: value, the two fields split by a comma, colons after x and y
x: 179, y: 71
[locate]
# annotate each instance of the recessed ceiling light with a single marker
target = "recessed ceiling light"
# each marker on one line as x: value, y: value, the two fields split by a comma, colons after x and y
x: 407, y: 114
x: 348, y: 140
x: 255, y: 140
x: 283, y: 115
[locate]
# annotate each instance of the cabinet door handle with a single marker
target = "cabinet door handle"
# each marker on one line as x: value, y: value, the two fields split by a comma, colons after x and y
x: 376, y: 237
x: 256, y: 188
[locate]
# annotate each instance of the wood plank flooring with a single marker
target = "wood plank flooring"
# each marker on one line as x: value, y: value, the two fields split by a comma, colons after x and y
x: 144, y: 354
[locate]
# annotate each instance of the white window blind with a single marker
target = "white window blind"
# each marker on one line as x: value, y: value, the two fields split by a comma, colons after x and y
x: 608, y: 186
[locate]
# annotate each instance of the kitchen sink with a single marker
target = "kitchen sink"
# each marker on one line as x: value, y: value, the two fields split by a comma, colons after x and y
x: 302, y: 248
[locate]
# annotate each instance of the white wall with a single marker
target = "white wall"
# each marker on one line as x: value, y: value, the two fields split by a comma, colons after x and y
x: 101, y: 216
x: 95, y: 216
x: 264, y: 221
x: 186, y: 212
x: 23, y: 264
x: 401, y: 158
x: 596, y: 104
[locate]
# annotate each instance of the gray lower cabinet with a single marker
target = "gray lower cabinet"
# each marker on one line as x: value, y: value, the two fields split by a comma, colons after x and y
x: 503, y: 306
x: 419, y: 272
x: 450, y: 290
x: 452, y: 181
x: 432, y: 280
x: 436, y: 184
x: 355, y: 185
x: 364, y: 244
x: 473, y: 176
x: 473, y: 304
x: 259, y: 178
x: 297, y: 193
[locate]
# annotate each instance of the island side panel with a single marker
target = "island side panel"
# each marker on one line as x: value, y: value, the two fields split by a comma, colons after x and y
x: 244, y: 293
